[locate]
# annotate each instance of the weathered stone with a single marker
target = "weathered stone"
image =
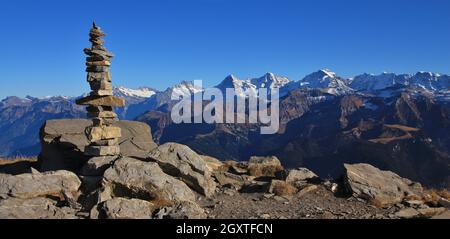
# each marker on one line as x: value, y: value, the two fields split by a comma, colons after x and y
x: 34, y: 208
x: 431, y: 211
x: 102, y: 93
x: 97, y: 69
x: 381, y: 187
x: 264, y: 166
x: 64, y: 141
x: 96, y: 166
x: 97, y: 41
x: 121, y: 208
x: 226, y: 179
x: 144, y: 180
x: 407, y: 213
x: 106, y: 142
x: 307, y: 189
x: 93, y: 52
x: 103, y: 114
x: 98, y: 63
x: 99, y: 76
x: 104, y: 121
x: 101, y: 101
x: 212, y: 163
x: 300, y: 174
x: 102, y: 150
x: 97, y: 109
x: 444, y: 202
x: 36, y: 185
x: 101, y: 85
x: 104, y: 132
x: 182, y: 162
x: 443, y: 216
x: 183, y: 210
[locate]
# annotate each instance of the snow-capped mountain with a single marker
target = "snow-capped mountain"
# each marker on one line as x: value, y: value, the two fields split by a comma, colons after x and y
x: 370, y: 82
x: 430, y: 81
x: 327, y: 80
x: 250, y: 86
x: 184, y: 88
x: 141, y: 92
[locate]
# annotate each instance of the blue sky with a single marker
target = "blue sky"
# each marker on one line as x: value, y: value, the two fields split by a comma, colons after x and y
x: 159, y: 43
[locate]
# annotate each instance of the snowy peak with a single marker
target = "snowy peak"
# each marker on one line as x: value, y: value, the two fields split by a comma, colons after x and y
x: 141, y: 92
x: 328, y: 80
x: 270, y: 80
x: 425, y: 80
x: 430, y: 81
x: 184, y: 88
x: 251, y: 85
x: 371, y: 82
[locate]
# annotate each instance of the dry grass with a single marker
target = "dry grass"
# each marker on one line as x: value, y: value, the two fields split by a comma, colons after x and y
x: 4, y: 161
x: 281, y: 188
x: 376, y: 203
x: 264, y: 170
x: 432, y: 196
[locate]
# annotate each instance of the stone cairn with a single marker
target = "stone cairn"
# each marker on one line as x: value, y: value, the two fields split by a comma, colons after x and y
x: 103, y: 136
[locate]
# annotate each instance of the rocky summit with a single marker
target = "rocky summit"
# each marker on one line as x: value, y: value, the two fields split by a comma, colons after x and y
x: 105, y: 168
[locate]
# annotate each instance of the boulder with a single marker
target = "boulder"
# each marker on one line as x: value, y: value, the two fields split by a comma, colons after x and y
x: 182, y: 210
x: 444, y: 202
x: 132, y: 178
x: 36, y: 185
x: 264, y: 166
x: 34, y: 208
x: 212, y: 163
x: 180, y: 161
x: 380, y: 187
x: 96, y: 166
x: 226, y: 179
x: 300, y: 174
x: 122, y: 208
x: 443, y: 216
x: 407, y: 213
x: 64, y: 141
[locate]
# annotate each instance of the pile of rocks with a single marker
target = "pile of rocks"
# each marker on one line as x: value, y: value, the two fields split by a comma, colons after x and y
x: 103, y: 136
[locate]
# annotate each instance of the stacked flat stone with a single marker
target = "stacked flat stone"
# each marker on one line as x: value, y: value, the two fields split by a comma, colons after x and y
x: 103, y: 136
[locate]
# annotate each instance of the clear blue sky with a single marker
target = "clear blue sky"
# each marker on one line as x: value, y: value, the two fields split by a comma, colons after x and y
x: 158, y: 43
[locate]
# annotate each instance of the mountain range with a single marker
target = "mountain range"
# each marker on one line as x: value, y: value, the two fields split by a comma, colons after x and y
x: 393, y: 121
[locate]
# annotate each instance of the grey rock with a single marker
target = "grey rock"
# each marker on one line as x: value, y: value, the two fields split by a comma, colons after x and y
x: 121, y: 208
x: 300, y: 174
x: 432, y: 211
x: 64, y: 141
x: 380, y: 187
x: 183, y: 210
x: 226, y: 179
x: 34, y: 208
x: 180, y: 161
x: 444, y: 202
x: 407, y: 213
x: 132, y: 178
x: 36, y: 185
x: 212, y: 163
x: 96, y: 166
x: 445, y: 215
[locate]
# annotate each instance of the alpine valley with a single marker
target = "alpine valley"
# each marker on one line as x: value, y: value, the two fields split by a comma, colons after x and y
x: 396, y: 122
